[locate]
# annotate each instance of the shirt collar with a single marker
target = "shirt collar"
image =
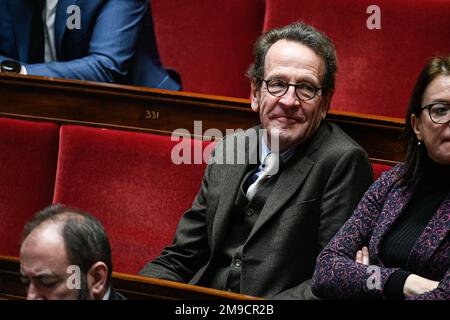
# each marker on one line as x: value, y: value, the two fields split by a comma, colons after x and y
x: 107, y: 294
x: 285, y: 155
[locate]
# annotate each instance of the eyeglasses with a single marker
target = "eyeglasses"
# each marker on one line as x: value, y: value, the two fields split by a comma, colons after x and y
x: 303, y: 90
x: 439, y: 112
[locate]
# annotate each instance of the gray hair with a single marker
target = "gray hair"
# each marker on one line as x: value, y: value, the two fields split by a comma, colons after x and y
x: 298, y: 32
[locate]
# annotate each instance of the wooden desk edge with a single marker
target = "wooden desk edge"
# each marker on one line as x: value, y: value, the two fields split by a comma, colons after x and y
x: 10, y: 265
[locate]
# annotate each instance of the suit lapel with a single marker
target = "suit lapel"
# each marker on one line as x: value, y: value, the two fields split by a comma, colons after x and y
x: 21, y: 20
x: 291, y: 178
x: 287, y: 184
x: 398, y: 202
x: 60, y: 23
x: 234, y: 175
x: 434, y: 233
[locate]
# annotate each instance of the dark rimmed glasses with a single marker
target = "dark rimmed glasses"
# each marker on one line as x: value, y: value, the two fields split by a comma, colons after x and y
x: 439, y: 112
x: 303, y: 90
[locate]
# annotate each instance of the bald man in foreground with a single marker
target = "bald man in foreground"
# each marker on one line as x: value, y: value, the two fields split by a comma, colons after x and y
x: 65, y: 255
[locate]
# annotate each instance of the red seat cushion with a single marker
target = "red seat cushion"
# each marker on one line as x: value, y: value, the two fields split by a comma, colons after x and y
x: 378, y: 68
x: 378, y: 169
x: 129, y: 182
x: 28, y: 154
x: 209, y: 42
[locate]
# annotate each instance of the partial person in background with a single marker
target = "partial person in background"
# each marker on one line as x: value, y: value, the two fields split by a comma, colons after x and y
x: 65, y: 254
x: 95, y: 40
x: 396, y: 245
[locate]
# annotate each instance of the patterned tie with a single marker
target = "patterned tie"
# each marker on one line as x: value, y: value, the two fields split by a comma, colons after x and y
x: 270, y: 166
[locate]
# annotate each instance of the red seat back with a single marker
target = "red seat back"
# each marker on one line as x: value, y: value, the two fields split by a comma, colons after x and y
x: 378, y: 169
x: 129, y: 182
x: 28, y: 154
x: 209, y: 42
x: 378, y: 68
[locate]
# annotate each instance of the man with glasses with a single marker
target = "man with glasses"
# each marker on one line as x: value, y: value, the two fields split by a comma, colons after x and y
x: 257, y: 229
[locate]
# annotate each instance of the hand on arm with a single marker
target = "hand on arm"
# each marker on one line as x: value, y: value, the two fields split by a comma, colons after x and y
x: 441, y: 292
x: 416, y: 285
x: 362, y: 256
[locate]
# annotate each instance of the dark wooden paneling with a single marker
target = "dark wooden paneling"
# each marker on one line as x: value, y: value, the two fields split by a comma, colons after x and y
x: 11, y: 286
x: 132, y: 108
x: 132, y: 286
x: 138, y: 287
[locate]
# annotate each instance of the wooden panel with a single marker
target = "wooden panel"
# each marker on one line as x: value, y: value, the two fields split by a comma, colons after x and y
x: 132, y: 286
x: 161, y: 111
x: 11, y: 286
x: 138, y: 287
x: 381, y: 137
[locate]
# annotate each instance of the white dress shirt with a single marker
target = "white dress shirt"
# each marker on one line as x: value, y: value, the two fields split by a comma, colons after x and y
x: 49, y: 15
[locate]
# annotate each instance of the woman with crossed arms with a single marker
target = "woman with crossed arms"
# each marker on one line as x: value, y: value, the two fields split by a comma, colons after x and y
x: 396, y: 244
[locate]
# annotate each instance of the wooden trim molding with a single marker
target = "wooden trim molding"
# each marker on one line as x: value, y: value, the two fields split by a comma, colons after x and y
x: 134, y: 287
x: 161, y: 111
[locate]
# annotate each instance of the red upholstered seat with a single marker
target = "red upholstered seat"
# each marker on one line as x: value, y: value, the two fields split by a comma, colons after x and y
x: 129, y: 182
x: 28, y: 154
x: 378, y: 68
x: 378, y: 169
x: 209, y: 42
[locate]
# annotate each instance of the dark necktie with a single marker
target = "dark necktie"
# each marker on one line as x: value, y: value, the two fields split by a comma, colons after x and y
x: 37, y: 41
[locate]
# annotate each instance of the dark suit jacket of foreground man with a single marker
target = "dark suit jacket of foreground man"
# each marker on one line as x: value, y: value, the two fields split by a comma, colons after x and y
x: 316, y: 191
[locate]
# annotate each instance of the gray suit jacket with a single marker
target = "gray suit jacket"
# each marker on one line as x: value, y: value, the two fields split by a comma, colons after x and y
x: 317, y: 190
